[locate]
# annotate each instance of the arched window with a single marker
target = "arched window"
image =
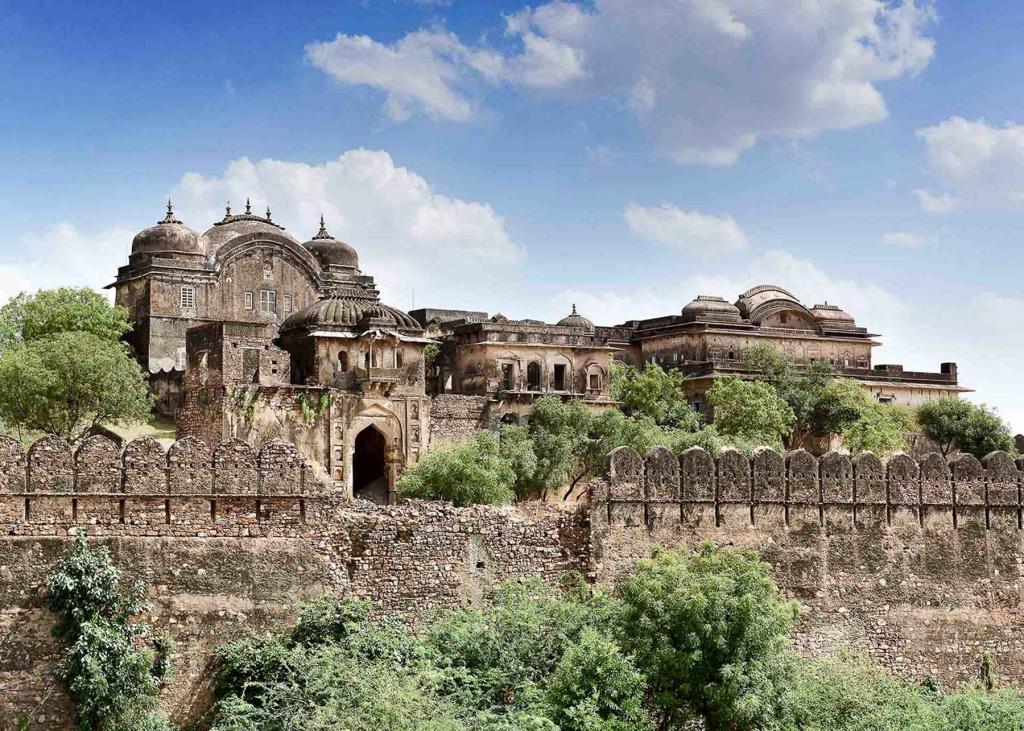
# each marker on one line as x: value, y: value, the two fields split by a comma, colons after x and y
x: 398, y: 359
x: 343, y: 361
x: 533, y: 376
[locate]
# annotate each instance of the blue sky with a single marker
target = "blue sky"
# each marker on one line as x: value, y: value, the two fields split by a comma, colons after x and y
x: 519, y: 157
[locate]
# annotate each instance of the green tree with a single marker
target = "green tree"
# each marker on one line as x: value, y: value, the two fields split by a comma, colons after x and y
x: 67, y: 382
x: 468, y: 473
x: 708, y: 631
x: 953, y: 423
x: 879, y: 428
x: 595, y: 688
x: 655, y: 393
x: 50, y: 311
x: 562, y: 441
x: 750, y: 410
x: 107, y: 665
x: 516, y: 448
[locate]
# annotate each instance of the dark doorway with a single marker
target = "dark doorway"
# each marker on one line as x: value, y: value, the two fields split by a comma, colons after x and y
x: 369, y: 468
x: 533, y: 377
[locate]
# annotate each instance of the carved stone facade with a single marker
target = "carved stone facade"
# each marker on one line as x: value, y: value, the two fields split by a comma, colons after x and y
x: 708, y: 338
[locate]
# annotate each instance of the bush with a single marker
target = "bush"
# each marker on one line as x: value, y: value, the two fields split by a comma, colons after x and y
x: 953, y: 423
x: 468, y: 473
x: 750, y: 411
x: 107, y: 666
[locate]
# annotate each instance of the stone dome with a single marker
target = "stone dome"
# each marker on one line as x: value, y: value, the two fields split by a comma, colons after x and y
x: 331, y: 252
x: 167, y: 237
x: 576, y: 320
x: 831, y: 315
x: 232, y: 226
x: 345, y: 312
x: 706, y: 307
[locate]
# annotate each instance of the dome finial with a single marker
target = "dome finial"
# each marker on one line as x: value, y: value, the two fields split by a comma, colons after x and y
x: 227, y: 213
x: 322, y: 233
x: 248, y: 207
x: 169, y: 218
x: 574, y: 309
x: 268, y: 213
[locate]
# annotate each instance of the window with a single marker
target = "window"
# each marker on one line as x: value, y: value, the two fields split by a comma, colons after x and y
x: 248, y: 300
x: 287, y: 303
x: 398, y: 359
x: 559, y: 377
x: 188, y: 297
x: 508, y: 378
x: 343, y: 362
x: 268, y: 301
x: 533, y: 377
x: 595, y: 382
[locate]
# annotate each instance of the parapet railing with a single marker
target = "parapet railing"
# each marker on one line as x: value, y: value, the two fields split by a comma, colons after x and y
x: 141, y: 483
x: 798, y: 490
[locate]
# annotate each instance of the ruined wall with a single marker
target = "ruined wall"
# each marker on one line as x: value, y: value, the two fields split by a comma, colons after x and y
x: 455, y: 418
x: 228, y: 540
x: 918, y: 564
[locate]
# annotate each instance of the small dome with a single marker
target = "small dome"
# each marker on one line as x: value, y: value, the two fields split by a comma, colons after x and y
x: 232, y: 226
x: 706, y: 307
x: 331, y: 252
x: 832, y: 315
x: 167, y: 237
x: 345, y: 312
x: 576, y: 320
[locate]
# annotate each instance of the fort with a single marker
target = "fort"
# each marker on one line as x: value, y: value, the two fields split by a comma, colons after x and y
x: 916, y: 563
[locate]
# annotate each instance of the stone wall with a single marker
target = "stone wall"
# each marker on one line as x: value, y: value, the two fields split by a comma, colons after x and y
x: 455, y: 418
x: 228, y: 540
x: 917, y: 563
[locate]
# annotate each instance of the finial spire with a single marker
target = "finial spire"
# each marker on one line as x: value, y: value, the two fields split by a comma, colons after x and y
x: 268, y: 213
x: 169, y: 218
x: 248, y: 207
x: 574, y: 308
x: 322, y: 233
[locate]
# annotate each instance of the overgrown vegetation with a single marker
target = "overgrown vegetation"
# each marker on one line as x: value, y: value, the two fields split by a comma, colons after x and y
x: 696, y: 638
x: 111, y: 668
x: 961, y: 425
x: 313, y: 411
x: 63, y: 367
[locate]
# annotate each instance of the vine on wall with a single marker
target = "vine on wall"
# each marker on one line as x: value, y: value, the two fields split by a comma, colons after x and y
x: 312, y: 411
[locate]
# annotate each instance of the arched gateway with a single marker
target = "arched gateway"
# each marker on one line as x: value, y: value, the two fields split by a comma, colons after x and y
x: 370, y: 480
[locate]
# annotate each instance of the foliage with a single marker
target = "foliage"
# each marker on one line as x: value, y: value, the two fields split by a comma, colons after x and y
x: 689, y: 641
x: 953, y: 423
x: 311, y: 412
x: 708, y: 631
x: 516, y: 448
x: 106, y: 666
x: 431, y: 352
x: 51, y: 311
x: 879, y: 428
x: 468, y: 473
x: 802, y: 388
x: 750, y: 410
x: 561, y: 435
x: 654, y: 393
x: 68, y: 382
x: 595, y: 688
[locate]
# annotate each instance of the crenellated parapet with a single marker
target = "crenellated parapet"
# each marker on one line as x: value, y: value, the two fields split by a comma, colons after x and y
x: 797, y: 490
x: 142, y: 483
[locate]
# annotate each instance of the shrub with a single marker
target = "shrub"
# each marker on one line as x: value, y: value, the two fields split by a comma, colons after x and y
x: 467, y: 473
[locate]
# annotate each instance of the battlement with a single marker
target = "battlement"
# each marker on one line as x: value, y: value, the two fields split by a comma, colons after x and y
x: 142, y: 484
x: 797, y: 490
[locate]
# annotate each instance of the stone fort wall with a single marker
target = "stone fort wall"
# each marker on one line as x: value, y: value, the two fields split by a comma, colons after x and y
x: 917, y: 563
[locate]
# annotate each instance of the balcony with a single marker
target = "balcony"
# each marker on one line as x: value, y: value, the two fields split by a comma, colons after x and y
x: 379, y: 375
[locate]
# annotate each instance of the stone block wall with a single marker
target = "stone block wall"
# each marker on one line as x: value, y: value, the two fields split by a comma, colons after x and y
x: 456, y: 418
x: 919, y: 564
x: 229, y: 539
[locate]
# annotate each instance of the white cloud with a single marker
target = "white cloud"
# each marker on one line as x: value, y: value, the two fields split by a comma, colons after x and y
x: 695, y: 233
x: 64, y: 256
x: 978, y: 165
x: 907, y: 239
x: 932, y: 203
x: 407, y: 234
x: 707, y: 79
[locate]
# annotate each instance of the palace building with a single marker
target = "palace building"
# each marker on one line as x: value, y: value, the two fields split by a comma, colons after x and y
x: 247, y: 332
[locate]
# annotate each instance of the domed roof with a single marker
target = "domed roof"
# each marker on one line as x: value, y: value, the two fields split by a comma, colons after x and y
x: 576, y: 320
x: 706, y: 307
x: 345, y: 312
x: 752, y: 303
x: 240, y: 224
x: 331, y: 252
x: 832, y: 315
x: 167, y: 237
